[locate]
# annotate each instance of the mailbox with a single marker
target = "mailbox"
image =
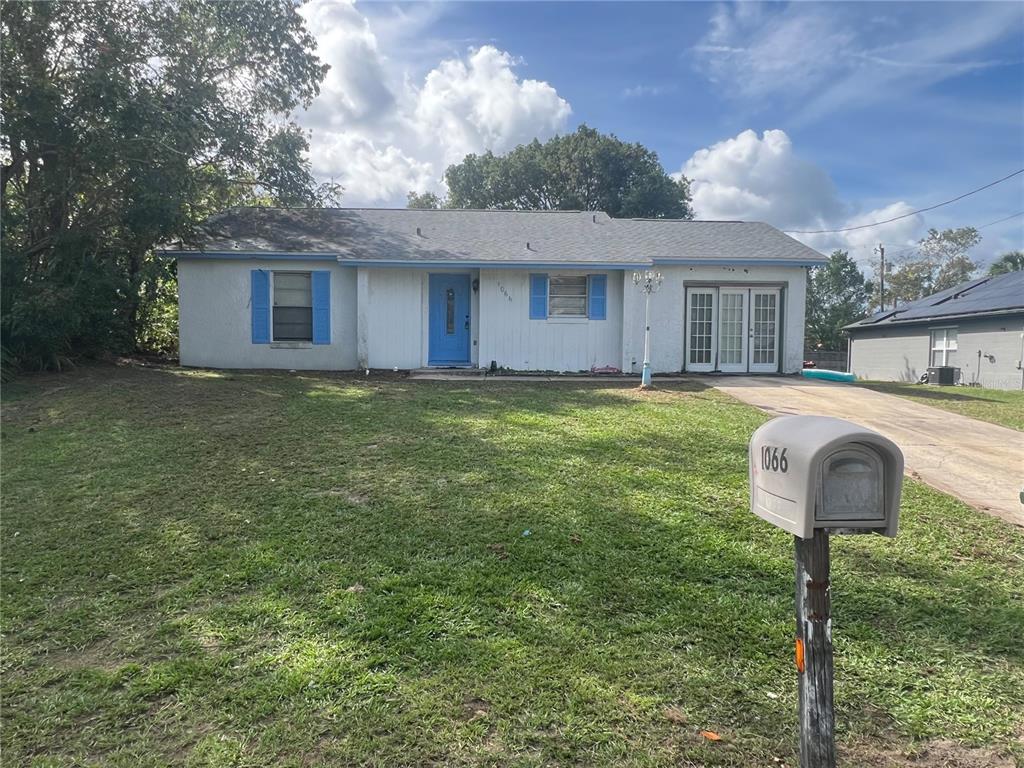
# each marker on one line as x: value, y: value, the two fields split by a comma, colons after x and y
x: 810, y: 472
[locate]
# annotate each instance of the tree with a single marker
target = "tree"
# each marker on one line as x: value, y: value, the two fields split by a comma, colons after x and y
x: 940, y: 261
x: 584, y: 170
x: 1008, y: 262
x: 837, y: 295
x: 425, y: 201
x: 126, y: 123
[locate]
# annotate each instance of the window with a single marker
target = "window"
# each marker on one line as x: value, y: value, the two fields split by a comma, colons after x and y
x: 449, y: 314
x: 944, y: 345
x: 293, y: 306
x: 567, y: 296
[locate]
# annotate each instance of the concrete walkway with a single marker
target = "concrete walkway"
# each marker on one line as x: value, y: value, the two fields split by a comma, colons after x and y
x: 980, y: 463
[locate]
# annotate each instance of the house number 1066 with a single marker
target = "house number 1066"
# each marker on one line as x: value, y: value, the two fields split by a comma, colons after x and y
x: 773, y: 460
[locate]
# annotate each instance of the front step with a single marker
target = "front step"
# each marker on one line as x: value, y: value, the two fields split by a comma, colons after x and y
x: 454, y: 374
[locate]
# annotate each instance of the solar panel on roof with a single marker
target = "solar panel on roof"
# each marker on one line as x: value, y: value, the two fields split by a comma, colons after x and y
x: 998, y: 293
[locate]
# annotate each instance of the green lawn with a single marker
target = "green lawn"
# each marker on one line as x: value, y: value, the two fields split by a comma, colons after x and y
x: 255, y: 569
x: 996, y: 405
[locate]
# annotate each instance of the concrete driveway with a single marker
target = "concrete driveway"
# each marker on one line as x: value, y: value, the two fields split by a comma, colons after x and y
x: 980, y: 463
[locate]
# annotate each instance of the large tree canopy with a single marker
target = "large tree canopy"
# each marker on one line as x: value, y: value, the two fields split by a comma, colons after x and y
x: 837, y: 295
x: 426, y: 201
x: 1008, y: 262
x: 125, y: 123
x: 940, y: 261
x: 585, y: 170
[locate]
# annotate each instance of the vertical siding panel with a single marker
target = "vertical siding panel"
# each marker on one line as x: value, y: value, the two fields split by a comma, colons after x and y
x: 517, y: 342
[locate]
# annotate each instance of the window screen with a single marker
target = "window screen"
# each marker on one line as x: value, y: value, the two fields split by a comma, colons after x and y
x: 567, y: 296
x: 293, y: 306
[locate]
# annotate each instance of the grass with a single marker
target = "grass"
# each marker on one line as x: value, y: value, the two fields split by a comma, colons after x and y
x: 998, y: 406
x: 254, y: 569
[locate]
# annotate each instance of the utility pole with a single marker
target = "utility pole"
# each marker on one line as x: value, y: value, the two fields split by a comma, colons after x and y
x: 880, y: 250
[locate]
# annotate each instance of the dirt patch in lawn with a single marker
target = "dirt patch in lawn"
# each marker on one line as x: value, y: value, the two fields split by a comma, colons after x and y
x: 101, y: 656
x: 941, y: 753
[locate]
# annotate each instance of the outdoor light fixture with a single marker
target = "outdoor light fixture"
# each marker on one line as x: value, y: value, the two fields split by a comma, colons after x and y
x: 647, y: 281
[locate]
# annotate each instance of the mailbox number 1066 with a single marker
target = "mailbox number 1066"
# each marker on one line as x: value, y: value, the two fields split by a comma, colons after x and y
x: 773, y: 459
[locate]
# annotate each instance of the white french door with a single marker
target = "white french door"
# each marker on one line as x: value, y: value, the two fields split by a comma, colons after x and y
x: 732, y: 329
x: 764, y: 330
x: 700, y: 329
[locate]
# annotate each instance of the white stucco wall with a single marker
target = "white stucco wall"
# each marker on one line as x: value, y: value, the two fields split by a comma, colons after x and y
x: 215, y: 317
x: 668, y: 313
x: 379, y: 318
x: 510, y: 338
x: 901, y: 353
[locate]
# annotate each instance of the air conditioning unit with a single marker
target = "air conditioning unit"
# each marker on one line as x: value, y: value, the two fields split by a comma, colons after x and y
x: 943, y: 375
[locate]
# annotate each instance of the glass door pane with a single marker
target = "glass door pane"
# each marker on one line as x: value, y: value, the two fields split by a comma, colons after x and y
x: 732, y: 330
x: 700, y: 329
x: 764, y: 330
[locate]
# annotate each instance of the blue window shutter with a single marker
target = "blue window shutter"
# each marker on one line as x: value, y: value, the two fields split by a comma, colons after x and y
x: 597, y: 304
x: 538, y: 297
x: 321, y: 307
x: 259, y: 300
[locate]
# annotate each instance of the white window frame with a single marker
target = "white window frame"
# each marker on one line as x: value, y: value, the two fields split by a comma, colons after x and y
x: 586, y: 297
x: 273, y: 305
x: 934, y: 335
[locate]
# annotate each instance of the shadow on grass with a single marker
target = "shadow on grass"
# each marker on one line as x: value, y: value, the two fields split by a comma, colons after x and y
x: 330, y: 555
x: 927, y: 392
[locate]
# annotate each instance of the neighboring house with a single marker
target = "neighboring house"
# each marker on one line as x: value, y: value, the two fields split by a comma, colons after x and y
x: 978, y: 326
x: 523, y: 290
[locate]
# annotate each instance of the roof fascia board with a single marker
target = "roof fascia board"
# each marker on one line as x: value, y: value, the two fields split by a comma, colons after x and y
x: 247, y: 255
x: 741, y: 262
x: 431, y: 264
x: 481, y: 264
x: 453, y: 264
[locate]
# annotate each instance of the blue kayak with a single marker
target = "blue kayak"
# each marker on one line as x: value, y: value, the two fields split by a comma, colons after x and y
x: 820, y: 373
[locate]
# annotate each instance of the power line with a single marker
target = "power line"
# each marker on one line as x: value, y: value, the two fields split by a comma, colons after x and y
x: 1000, y: 221
x: 910, y: 248
x: 905, y: 215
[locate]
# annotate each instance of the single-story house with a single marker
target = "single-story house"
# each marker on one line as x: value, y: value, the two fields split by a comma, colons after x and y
x: 347, y: 289
x: 978, y: 327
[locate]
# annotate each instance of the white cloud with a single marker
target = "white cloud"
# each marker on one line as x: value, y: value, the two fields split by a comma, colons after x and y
x: 481, y: 104
x: 379, y: 131
x: 371, y: 173
x: 762, y: 178
x: 820, y: 59
x: 355, y: 89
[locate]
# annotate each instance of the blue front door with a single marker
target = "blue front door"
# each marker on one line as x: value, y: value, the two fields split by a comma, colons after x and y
x: 449, y: 320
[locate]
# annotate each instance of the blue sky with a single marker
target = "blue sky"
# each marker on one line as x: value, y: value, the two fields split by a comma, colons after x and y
x: 807, y: 115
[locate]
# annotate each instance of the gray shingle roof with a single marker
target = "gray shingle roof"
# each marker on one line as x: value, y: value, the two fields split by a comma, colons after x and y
x: 978, y: 297
x: 669, y: 239
x: 512, y: 237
